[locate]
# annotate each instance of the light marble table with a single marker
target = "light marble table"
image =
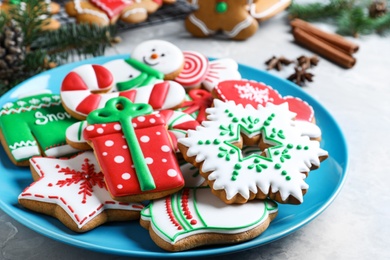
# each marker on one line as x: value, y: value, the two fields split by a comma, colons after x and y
x: 356, y: 225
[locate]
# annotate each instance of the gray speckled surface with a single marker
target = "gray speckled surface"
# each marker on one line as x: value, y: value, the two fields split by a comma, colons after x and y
x: 355, y: 226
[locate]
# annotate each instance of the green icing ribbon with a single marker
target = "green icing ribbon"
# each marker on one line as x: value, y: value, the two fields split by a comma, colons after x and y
x: 122, y: 110
x: 221, y: 7
x: 148, y: 76
x: 14, y: 2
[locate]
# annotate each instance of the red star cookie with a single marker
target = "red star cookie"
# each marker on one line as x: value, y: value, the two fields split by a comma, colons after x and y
x: 73, y: 190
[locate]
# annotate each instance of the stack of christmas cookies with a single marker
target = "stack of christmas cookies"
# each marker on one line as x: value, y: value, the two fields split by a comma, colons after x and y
x: 168, y: 138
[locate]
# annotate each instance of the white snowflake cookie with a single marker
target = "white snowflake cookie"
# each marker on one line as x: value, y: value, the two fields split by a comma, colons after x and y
x: 277, y: 170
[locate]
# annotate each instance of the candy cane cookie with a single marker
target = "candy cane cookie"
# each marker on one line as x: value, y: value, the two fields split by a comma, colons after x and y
x: 279, y: 172
x: 84, y: 90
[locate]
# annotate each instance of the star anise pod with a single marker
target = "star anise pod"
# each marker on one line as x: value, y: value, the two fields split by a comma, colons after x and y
x: 301, y: 76
x: 277, y: 63
x: 307, y: 62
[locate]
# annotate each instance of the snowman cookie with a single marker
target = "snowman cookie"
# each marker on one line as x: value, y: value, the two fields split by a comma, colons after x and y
x: 150, y: 62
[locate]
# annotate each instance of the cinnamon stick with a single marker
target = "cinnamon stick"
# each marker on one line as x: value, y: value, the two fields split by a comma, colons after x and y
x: 323, y: 48
x: 332, y: 38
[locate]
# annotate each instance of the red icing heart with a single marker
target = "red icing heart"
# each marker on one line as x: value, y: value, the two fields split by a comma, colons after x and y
x: 255, y: 93
x: 112, y: 7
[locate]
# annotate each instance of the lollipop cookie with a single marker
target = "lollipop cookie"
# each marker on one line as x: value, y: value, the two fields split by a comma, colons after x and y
x: 199, y: 72
x: 279, y: 172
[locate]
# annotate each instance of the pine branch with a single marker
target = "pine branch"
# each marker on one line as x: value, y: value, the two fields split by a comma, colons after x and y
x: 82, y: 40
x: 382, y: 24
x: 30, y: 15
x: 354, y: 22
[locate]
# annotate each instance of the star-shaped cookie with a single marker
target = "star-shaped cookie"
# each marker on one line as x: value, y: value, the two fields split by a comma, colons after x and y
x: 73, y: 190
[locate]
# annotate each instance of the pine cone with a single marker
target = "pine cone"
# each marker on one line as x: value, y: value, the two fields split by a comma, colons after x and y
x: 377, y: 8
x: 12, y: 52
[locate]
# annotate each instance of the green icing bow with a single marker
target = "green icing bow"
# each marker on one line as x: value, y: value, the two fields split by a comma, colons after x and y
x: 122, y: 110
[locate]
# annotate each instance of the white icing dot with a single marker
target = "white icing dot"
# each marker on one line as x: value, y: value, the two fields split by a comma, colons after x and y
x: 165, y: 148
x: 104, y: 153
x: 90, y: 128
x: 158, y: 115
x: 141, y: 118
x: 172, y: 173
x: 117, y: 127
x: 149, y: 160
x: 104, y: 125
x: 134, y: 125
x: 158, y: 133
x: 124, y: 147
x: 132, y: 166
x: 119, y: 159
x: 100, y: 130
x: 126, y: 176
x: 109, y: 143
x: 152, y: 120
x: 120, y: 186
x: 145, y: 139
x: 164, y: 160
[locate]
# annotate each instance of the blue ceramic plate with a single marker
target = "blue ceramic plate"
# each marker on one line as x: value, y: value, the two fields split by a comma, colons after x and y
x: 131, y: 239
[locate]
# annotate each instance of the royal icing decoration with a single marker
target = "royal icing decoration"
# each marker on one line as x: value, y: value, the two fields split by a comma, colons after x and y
x: 112, y: 7
x: 34, y: 123
x: 198, y: 101
x: 282, y: 167
x: 194, y: 71
x: 178, y: 123
x: 76, y: 185
x: 194, y: 212
x: 160, y: 55
x: 131, y: 73
x: 80, y: 99
x: 198, y: 70
x: 133, y: 148
x: 253, y: 93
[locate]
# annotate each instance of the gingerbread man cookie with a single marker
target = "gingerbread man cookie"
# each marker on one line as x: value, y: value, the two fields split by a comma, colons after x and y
x: 106, y: 12
x: 228, y: 16
x: 278, y: 171
x: 73, y: 190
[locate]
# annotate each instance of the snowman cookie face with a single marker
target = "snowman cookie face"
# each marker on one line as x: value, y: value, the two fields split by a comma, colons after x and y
x: 160, y: 55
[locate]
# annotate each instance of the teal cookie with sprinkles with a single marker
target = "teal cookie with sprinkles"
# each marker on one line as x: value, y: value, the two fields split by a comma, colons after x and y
x: 280, y: 158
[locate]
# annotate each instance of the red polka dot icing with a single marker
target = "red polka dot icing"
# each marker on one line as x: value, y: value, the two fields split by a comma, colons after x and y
x: 117, y: 164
